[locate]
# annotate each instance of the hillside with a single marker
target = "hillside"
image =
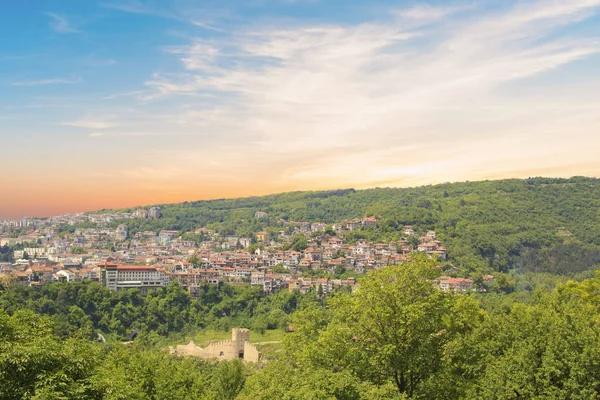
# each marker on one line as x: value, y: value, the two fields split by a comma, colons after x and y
x: 539, y: 224
x: 395, y: 335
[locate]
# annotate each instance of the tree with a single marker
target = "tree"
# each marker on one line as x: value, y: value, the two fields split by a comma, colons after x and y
x: 399, y: 337
x: 252, y: 248
x: 329, y: 230
x: 280, y: 380
x: 229, y: 380
x: 77, y: 250
x: 550, y: 350
x: 299, y: 243
x: 7, y: 280
x: 339, y: 253
x: 195, y: 261
x: 413, y: 241
x: 35, y: 364
x: 135, y: 373
x: 340, y: 269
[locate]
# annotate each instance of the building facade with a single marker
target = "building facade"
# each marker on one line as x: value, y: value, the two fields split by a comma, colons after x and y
x: 119, y: 277
x: 155, y: 213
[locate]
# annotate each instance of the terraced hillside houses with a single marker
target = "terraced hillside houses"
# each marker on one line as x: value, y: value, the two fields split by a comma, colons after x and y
x: 300, y: 256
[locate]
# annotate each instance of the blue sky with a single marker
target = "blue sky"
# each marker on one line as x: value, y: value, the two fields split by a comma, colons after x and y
x: 116, y: 103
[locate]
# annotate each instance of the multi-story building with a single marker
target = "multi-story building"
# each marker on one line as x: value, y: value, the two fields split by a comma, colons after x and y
x: 165, y: 237
x: 317, y: 227
x: 119, y: 277
x: 447, y: 283
x: 155, y: 213
x: 261, y: 236
x: 32, y: 252
x: 121, y: 233
x: 245, y: 242
x: 140, y: 213
x: 41, y: 274
x: 369, y: 221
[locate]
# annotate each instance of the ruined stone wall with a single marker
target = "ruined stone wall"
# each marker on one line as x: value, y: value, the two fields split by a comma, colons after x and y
x: 189, y: 349
x: 226, y: 349
x: 251, y: 353
x: 239, y: 347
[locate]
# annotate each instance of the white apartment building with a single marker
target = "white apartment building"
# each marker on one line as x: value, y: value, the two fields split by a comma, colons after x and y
x: 32, y: 252
x: 119, y: 277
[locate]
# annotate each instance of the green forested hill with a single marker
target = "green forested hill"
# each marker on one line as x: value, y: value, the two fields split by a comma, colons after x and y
x: 538, y: 224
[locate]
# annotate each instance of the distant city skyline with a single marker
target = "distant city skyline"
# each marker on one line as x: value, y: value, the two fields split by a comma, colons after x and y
x: 111, y: 104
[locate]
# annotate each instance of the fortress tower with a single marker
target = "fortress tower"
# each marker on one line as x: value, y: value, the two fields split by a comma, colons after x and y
x: 240, y: 335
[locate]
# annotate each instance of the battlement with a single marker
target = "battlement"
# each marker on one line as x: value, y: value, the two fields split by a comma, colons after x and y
x: 238, y: 347
x: 240, y: 334
x: 220, y: 343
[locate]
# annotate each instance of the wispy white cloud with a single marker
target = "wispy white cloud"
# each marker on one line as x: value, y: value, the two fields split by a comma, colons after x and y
x: 93, y: 123
x: 129, y: 133
x: 141, y: 7
x: 207, y: 26
x: 61, y: 24
x: 50, y: 81
x: 428, y: 12
x: 354, y: 102
x: 132, y: 94
x: 197, y: 56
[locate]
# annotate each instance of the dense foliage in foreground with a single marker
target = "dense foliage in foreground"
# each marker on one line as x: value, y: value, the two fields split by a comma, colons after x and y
x: 538, y: 225
x: 88, y: 308
x: 413, y: 341
x: 396, y: 337
x: 35, y: 363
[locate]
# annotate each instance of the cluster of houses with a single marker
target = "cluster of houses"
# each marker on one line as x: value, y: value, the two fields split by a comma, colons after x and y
x: 145, y: 278
x: 121, y: 259
x: 75, y: 219
x: 450, y: 284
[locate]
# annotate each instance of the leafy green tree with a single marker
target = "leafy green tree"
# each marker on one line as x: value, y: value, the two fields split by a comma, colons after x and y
x: 329, y: 230
x: 135, y: 373
x: 195, y: 261
x: 229, y: 380
x: 77, y: 250
x: 281, y: 381
x: 548, y: 350
x: 298, y: 243
x: 399, y: 337
x: 35, y: 364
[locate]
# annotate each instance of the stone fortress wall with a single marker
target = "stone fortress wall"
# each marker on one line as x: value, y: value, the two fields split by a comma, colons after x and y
x: 238, y: 347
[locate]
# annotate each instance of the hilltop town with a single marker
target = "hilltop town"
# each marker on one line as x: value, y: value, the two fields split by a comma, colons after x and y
x: 292, y: 256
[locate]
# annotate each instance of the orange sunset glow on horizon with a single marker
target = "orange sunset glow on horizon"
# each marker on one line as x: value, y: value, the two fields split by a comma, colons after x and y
x: 45, y: 203
x: 113, y: 106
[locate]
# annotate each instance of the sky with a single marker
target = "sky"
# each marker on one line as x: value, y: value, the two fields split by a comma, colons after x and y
x: 119, y: 103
